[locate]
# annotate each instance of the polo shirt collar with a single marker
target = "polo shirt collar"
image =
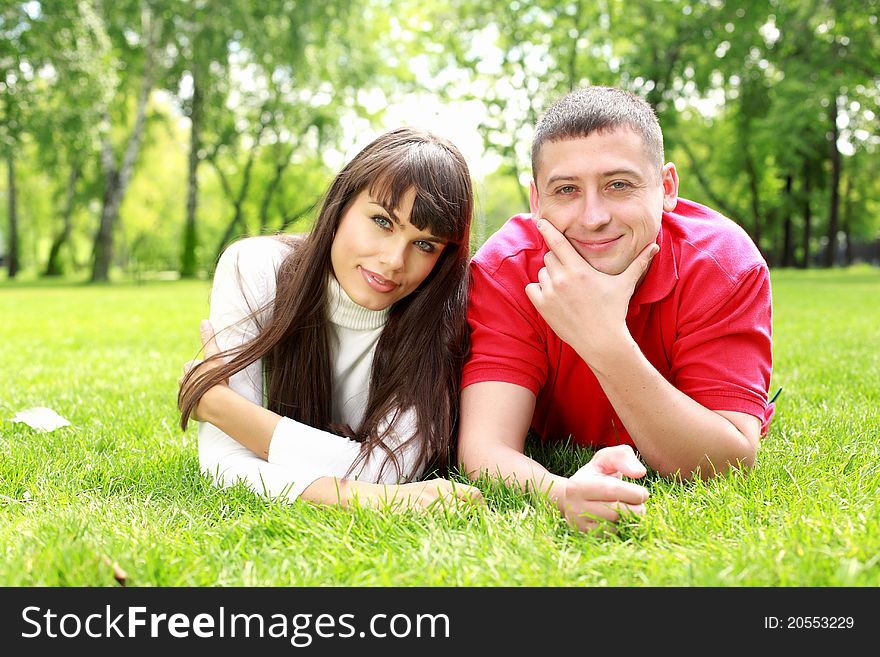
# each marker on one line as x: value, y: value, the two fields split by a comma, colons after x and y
x: 662, y: 274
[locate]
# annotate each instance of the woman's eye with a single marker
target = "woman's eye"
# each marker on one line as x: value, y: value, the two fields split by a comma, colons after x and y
x: 382, y: 222
x: 427, y: 247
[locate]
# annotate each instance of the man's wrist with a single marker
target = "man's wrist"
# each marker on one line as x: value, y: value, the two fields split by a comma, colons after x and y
x: 608, y: 357
x: 557, y: 491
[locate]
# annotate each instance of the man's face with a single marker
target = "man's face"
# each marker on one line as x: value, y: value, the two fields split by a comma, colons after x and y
x: 604, y: 194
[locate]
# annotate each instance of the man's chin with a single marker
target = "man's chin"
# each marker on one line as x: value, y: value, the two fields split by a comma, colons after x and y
x: 606, y: 265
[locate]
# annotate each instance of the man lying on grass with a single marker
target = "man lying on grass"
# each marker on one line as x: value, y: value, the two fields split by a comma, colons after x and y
x: 617, y: 314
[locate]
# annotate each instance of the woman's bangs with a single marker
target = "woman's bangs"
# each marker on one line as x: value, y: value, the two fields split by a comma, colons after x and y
x: 442, y: 202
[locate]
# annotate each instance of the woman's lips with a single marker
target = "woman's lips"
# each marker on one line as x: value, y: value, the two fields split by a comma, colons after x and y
x: 377, y: 282
x: 599, y: 245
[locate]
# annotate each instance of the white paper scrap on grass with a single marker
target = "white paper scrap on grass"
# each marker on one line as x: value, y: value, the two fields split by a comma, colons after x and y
x: 42, y: 418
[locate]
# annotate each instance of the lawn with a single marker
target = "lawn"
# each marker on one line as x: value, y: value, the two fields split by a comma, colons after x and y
x: 122, y: 485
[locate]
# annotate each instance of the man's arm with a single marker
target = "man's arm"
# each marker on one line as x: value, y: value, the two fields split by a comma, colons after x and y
x: 495, y: 418
x: 673, y: 433
x: 587, y: 309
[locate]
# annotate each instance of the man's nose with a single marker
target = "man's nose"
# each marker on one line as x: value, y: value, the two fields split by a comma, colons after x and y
x: 594, y: 213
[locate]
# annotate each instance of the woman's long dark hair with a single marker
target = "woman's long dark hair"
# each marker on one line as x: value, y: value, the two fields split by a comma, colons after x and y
x: 418, y: 358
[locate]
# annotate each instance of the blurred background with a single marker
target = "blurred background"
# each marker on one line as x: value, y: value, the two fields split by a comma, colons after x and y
x: 139, y: 137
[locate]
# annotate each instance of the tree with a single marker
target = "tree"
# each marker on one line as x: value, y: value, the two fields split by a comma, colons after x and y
x: 143, y: 55
x: 19, y: 60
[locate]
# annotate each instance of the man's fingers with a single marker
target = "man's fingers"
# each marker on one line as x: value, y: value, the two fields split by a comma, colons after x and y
x: 604, y: 488
x: 640, y: 265
x: 209, y: 341
x: 612, y: 511
x: 544, y: 279
x: 557, y: 243
x: 533, y: 292
x: 550, y: 260
x: 618, y: 459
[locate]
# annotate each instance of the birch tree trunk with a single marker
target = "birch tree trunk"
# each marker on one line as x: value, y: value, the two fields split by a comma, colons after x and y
x: 117, y: 179
x: 190, y: 234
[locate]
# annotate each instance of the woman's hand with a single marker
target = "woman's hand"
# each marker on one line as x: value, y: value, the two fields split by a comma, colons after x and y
x: 419, y: 495
x: 209, y: 344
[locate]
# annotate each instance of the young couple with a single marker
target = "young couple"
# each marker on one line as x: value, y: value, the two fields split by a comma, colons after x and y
x: 344, y: 365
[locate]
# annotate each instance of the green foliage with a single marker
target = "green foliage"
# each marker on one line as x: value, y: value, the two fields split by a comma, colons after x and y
x: 266, y: 97
x: 123, y: 484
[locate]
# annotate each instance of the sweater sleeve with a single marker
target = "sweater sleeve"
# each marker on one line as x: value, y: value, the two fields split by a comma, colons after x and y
x: 244, y: 287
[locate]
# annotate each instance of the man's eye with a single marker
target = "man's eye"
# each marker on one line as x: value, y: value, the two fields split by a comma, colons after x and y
x: 567, y: 189
x: 427, y: 247
x: 382, y: 222
x: 618, y: 184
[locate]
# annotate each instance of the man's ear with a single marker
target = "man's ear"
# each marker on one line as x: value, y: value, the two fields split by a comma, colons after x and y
x: 669, y: 180
x: 533, y: 197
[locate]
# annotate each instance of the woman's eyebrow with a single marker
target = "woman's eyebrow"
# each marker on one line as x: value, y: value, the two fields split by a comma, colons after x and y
x: 394, y: 217
x: 386, y: 211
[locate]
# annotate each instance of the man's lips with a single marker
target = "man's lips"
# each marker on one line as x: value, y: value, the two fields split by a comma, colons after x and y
x: 377, y: 282
x: 598, y: 245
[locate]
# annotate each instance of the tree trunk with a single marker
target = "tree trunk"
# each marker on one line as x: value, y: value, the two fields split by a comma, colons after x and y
x: 833, y: 216
x: 102, y: 252
x: 281, y: 165
x: 788, y: 230
x: 238, y: 201
x: 190, y: 237
x: 847, y: 217
x: 53, y: 264
x: 12, y: 252
x: 288, y: 219
x: 229, y: 232
x: 756, y: 199
x: 807, y: 212
x: 696, y: 168
x: 117, y: 180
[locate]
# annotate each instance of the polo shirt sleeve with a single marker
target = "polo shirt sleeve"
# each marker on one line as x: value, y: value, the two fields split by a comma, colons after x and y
x: 508, y: 342
x: 241, y: 298
x: 721, y: 357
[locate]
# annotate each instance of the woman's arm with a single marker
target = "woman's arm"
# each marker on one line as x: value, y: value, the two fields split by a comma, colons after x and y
x: 255, y: 427
x: 241, y: 440
x: 244, y: 283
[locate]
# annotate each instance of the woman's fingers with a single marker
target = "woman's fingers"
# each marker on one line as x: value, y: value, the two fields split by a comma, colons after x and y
x: 450, y: 491
x: 187, y: 368
x: 438, y: 492
x: 209, y: 340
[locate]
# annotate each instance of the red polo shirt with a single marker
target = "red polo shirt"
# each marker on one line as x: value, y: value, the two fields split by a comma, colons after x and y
x: 701, y: 316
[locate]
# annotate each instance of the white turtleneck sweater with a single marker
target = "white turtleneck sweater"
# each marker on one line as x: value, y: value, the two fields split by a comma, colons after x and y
x: 244, y: 281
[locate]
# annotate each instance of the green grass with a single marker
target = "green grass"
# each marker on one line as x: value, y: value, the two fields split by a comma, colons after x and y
x: 122, y: 485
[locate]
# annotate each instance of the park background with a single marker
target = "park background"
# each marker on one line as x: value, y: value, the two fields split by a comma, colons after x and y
x: 138, y: 138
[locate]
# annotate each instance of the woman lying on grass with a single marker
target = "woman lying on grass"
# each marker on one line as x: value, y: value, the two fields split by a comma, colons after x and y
x: 357, y: 331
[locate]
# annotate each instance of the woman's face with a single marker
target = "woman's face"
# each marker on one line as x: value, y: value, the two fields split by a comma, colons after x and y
x: 378, y: 257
